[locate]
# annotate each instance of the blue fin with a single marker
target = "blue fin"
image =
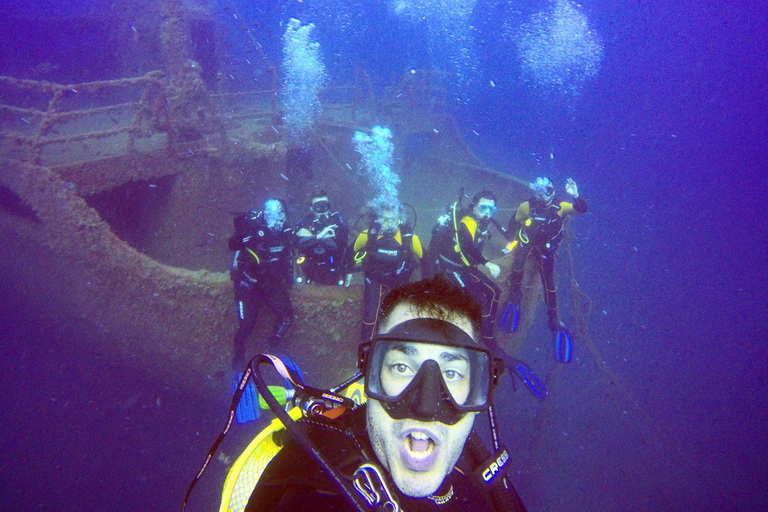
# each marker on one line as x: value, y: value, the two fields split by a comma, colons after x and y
x: 519, y: 369
x: 563, y: 346
x: 510, y: 317
x: 530, y: 379
x: 248, y: 407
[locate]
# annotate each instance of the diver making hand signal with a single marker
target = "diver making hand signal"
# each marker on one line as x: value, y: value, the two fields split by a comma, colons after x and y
x: 322, y: 243
x: 328, y: 231
x: 537, y: 227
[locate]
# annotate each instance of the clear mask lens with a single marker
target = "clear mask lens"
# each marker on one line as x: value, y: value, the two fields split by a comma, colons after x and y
x: 487, y: 209
x: 321, y: 206
x: 389, y: 223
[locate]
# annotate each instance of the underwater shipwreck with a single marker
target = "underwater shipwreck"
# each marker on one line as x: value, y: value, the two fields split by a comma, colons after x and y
x: 118, y: 196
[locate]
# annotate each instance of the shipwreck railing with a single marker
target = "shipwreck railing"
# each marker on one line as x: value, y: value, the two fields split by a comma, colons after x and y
x: 40, y: 118
x: 45, y: 123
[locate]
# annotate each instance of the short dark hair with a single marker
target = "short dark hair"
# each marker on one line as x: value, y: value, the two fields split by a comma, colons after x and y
x: 436, y: 298
x: 485, y: 193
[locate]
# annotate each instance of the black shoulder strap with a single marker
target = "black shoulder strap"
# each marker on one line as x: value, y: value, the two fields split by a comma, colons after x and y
x: 489, y: 475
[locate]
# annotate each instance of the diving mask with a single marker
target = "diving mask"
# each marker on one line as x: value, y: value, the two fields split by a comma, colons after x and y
x: 321, y: 206
x: 388, y: 224
x: 429, y: 370
x: 487, y: 209
x: 544, y: 189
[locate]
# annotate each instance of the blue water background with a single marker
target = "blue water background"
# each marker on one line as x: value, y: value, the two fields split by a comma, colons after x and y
x: 668, y: 146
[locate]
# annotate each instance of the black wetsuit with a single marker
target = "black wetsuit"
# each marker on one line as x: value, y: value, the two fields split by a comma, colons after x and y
x: 262, y: 272
x: 387, y: 261
x: 459, y: 262
x: 538, y: 230
x: 294, y: 482
x: 322, y: 260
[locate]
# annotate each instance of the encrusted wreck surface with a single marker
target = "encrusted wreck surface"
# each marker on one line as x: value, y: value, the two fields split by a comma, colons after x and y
x: 120, y: 227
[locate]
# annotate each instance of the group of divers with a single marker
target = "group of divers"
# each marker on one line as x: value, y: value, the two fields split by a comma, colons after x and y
x: 428, y: 358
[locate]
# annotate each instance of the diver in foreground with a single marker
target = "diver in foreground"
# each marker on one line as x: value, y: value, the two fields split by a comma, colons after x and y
x: 537, y: 228
x: 412, y: 446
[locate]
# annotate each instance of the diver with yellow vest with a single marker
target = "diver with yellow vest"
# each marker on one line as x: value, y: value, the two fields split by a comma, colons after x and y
x: 412, y: 446
x: 387, y: 252
x: 398, y: 435
x: 538, y: 229
x: 457, y: 257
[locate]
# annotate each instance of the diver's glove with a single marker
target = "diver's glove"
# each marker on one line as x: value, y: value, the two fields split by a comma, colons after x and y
x: 493, y: 269
x: 571, y: 188
x: 328, y: 231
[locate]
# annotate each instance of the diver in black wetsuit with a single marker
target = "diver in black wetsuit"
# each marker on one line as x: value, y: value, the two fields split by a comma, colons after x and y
x: 412, y: 445
x: 262, y: 272
x: 322, y: 243
x: 388, y: 252
x: 537, y: 227
x: 459, y: 255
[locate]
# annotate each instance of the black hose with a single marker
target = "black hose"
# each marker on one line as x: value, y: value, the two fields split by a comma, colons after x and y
x: 354, y: 499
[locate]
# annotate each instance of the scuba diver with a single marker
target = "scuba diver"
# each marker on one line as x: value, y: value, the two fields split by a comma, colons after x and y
x: 322, y: 243
x: 538, y: 228
x: 388, y: 252
x: 262, y: 272
x: 458, y: 251
x: 412, y: 446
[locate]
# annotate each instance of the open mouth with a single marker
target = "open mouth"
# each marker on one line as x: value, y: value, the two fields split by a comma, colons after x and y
x: 419, y: 444
x: 418, y: 450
